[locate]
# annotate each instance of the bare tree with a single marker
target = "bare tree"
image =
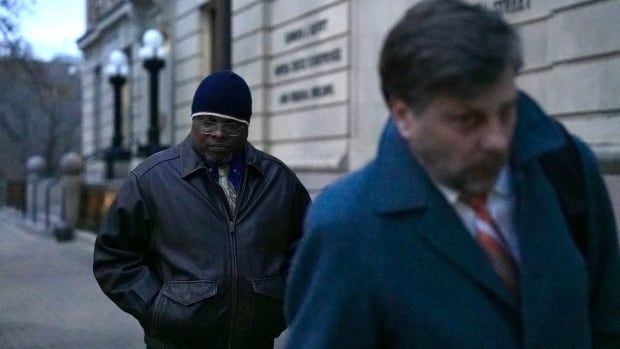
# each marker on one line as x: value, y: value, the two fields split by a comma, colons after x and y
x: 40, y: 105
x: 40, y: 109
x: 11, y: 41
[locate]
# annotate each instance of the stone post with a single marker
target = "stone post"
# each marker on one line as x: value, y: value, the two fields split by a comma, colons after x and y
x: 34, y: 166
x: 71, y: 165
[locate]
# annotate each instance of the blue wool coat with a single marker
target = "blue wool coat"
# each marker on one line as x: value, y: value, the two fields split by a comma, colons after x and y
x: 385, y: 262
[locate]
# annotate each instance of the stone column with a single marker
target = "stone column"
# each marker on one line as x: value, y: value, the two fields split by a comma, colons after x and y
x: 71, y: 165
x: 34, y: 166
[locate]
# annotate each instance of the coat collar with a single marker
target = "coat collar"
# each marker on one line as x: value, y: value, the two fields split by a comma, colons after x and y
x: 191, y: 162
x: 535, y: 133
x: 401, y: 184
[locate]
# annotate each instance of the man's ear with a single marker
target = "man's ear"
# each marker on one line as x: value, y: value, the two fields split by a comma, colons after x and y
x: 402, y: 115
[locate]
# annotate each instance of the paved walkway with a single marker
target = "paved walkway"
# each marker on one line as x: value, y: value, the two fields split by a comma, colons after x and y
x: 48, y: 296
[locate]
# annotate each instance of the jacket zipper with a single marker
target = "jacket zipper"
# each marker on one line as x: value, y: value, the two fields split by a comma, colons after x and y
x: 233, y: 256
x: 232, y: 223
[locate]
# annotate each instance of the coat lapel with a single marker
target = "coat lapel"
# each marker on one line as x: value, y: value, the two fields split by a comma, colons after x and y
x: 444, y: 231
x: 538, y: 217
x: 401, y: 186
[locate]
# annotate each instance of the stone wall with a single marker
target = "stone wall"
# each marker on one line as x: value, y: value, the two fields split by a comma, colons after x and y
x: 312, y: 69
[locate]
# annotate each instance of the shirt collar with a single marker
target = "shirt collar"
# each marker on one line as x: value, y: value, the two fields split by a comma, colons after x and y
x: 503, y: 185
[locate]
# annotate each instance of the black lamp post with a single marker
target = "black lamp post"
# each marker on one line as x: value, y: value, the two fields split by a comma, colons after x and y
x: 116, y: 70
x: 223, y: 42
x: 153, y: 53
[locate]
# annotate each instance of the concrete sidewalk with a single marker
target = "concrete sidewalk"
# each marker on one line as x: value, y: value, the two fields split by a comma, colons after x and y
x: 48, y: 295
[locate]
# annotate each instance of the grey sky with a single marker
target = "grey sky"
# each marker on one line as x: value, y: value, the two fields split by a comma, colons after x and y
x: 53, y: 26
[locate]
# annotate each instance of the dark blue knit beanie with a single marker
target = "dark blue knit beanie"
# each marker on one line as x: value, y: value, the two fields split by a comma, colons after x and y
x: 223, y: 94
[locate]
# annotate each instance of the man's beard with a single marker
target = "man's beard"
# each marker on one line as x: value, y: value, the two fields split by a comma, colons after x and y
x: 478, y: 178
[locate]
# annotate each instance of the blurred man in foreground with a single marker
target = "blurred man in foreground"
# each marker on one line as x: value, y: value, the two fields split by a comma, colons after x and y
x: 480, y: 224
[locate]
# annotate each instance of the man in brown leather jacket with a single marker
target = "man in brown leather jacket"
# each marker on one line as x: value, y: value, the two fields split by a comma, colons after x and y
x: 197, y: 244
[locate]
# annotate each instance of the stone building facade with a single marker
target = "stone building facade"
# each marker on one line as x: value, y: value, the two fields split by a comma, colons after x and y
x: 312, y: 69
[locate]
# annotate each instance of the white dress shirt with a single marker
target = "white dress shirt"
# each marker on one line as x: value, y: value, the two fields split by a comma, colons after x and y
x: 500, y: 203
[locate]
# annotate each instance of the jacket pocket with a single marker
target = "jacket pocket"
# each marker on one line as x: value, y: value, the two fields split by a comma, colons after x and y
x: 189, y: 292
x: 268, y: 315
x: 182, y: 306
x: 271, y: 287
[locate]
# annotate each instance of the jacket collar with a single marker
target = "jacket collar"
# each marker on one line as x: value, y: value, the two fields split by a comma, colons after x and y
x: 401, y: 184
x: 191, y: 162
x: 535, y: 133
x: 253, y: 159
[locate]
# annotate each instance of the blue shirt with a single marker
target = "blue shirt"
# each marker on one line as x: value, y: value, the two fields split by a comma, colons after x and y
x: 235, y: 174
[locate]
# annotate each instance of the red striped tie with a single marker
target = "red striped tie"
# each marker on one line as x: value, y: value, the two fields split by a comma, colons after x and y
x: 489, y: 238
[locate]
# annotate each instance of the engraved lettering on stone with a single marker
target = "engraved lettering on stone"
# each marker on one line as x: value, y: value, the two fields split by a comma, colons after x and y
x: 301, y: 33
x: 301, y: 95
x: 312, y: 61
x: 510, y: 6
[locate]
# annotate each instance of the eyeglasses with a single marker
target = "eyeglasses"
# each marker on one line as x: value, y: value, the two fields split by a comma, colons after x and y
x: 232, y: 129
